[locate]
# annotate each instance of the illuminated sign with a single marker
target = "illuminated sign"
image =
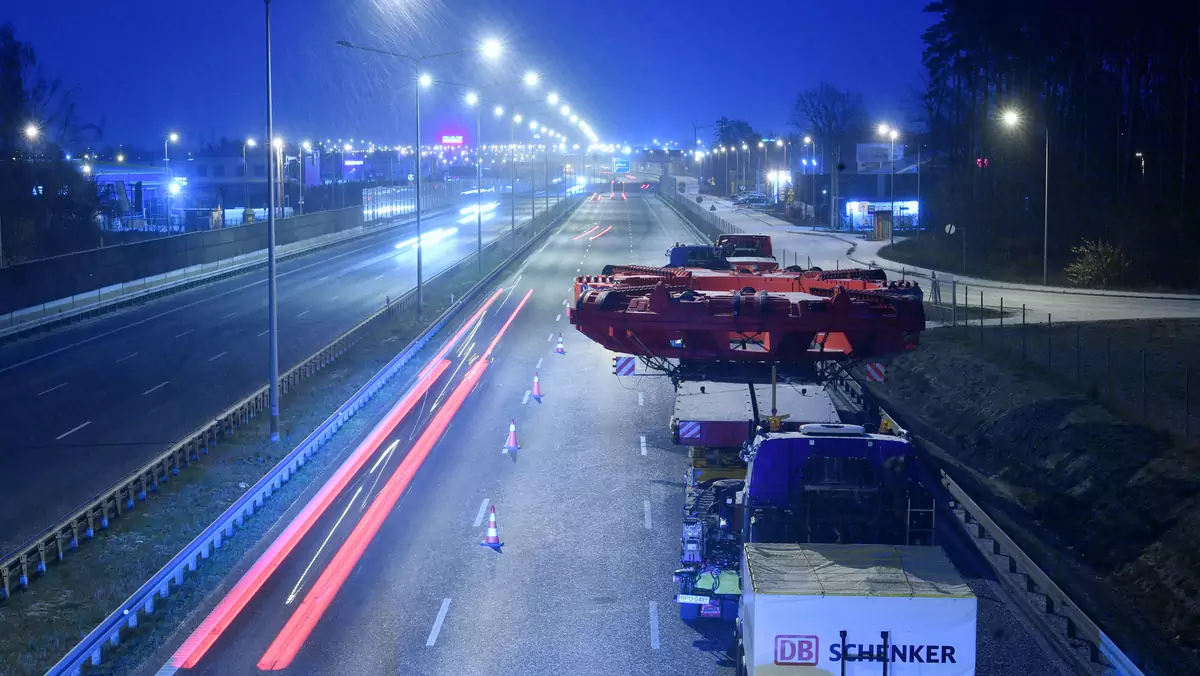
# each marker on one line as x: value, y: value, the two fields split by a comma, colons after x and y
x: 452, y: 140
x: 353, y: 163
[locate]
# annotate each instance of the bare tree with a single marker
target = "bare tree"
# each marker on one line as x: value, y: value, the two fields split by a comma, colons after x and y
x: 833, y: 114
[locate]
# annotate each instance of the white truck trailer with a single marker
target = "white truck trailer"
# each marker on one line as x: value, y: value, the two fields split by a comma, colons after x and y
x: 854, y: 610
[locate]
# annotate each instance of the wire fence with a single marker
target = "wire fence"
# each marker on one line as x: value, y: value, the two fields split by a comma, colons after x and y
x: 1136, y: 368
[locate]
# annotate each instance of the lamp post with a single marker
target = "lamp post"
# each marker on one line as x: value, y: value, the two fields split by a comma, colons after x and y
x: 490, y: 49
x: 473, y: 100
x: 891, y: 135
x: 171, y: 138
x: 272, y: 314
x: 249, y: 142
x: 1012, y: 118
x: 305, y: 146
x: 812, y: 158
x: 512, y: 160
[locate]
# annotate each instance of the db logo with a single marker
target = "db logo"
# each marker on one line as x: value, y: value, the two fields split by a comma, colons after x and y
x: 797, y: 651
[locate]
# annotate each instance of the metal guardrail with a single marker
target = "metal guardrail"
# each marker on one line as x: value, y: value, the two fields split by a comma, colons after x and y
x: 111, y: 298
x: 126, y: 616
x: 1055, y: 615
x: 32, y: 558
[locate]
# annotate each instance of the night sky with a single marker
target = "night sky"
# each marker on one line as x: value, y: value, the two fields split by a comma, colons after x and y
x: 636, y: 72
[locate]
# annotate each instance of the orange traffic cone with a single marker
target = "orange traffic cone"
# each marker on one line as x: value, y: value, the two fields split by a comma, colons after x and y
x: 559, y: 349
x: 492, y: 538
x: 537, y: 389
x: 511, y: 444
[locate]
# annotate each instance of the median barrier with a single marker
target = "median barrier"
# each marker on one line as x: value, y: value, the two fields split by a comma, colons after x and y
x: 32, y: 558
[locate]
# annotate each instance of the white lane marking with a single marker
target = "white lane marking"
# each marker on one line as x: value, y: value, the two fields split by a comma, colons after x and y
x: 378, y: 276
x: 263, y: 333
x: 71, y: 431
x: 321, y: 279
x: 643, y: 445
x: 383, y: 456
x: 646, y: 509
x: 218, y: 355
x: 507, y: 295
x: 549, y: 337
x: 437, y: 624
x: 302, y: 314
x: 525, y: 399
x: 482, y: 510
x: 558, y: 318
x: 229, y: 315
x: 641, y: 400
x: 156, y: 387
x: 296, y: 590
x: 539, y: 364
x: 131, y: 355
x: 51, y: 389
x: 180, y: 335
x: 654, y: 625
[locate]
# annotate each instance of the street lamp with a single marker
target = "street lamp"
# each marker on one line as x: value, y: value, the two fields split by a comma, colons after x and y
x: 304, y: 147
x: 171, y: 138
x: 892, y: 134
x: 490, y: 49
x: 552, y: 99
x: 31, y: 131
x: 473, y: 100
x: 1012, y: 119
x: 249, y: 142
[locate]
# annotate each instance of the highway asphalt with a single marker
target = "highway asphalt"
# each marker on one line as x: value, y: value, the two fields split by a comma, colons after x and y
x: 588, y: 510
x: 86, y: 405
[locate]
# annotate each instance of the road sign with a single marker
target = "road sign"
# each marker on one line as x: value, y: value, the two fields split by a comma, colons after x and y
x: 950, y: 228
x: 620, y: 164
x: 411, y: 177
x: 876, y: 372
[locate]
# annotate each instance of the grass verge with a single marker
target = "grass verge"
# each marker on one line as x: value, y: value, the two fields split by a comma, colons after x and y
x: 1108, y: 503
x: 46, y: 620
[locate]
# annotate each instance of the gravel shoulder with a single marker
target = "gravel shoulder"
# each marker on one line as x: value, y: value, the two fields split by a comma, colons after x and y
x: 1108, y: 504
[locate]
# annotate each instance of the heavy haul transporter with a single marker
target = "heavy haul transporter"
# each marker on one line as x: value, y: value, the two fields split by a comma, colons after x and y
x: 804, y: 526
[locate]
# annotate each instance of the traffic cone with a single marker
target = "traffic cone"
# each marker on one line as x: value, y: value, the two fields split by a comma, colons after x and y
x: 537, y: 388
x: 559, y: 349
x: 492, y: 538
x: 511, y: 444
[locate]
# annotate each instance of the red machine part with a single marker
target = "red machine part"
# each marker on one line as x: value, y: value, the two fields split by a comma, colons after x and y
x: 666, y: 319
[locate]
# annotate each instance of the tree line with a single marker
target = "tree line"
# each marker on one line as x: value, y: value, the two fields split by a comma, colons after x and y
x: 1110, y: 86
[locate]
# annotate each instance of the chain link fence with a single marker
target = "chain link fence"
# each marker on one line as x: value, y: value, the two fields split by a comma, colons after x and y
x: 1137, y: 368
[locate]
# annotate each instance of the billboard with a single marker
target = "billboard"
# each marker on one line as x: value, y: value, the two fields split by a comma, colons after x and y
x: 877, y: 153
x: 452, y: 139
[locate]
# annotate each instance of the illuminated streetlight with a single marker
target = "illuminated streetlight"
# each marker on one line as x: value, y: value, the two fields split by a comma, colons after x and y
x: 277, y: 143
x: 491, y: 48
x: 565, y: 110
x: 883, y: 130
x: 120, y: 158
x: 174, y: 137
x: 531, y: 79
x: 87, y: 170
x: 517, y: 118
x: 892, y: 135
x: 425, y: 81
x: 533, y: 125
x: 1012, y: 119
x: 574, y: 119
x: 552, y: 99
x: 472, y: 98
x: 306, y: 145
x: 498, y: 111
x: 31, y: 131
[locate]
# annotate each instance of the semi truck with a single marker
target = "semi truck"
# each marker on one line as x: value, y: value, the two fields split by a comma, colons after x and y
x: 804, y: 516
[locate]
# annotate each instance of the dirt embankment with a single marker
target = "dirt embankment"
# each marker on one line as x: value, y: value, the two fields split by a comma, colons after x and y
x: 1112, y: 505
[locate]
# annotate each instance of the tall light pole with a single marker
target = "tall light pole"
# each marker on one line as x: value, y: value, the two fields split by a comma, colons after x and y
x: 272, y: 314
x: 171, y: 138
x: 512, y: 160
x: 304, y: 147
x: 533, y: 127
x: 1012, y: 118
x: 812, y: 156
x: 249, y: 142
x: 490, y: 49
x: 473, y: 100
x: 891, y: 135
